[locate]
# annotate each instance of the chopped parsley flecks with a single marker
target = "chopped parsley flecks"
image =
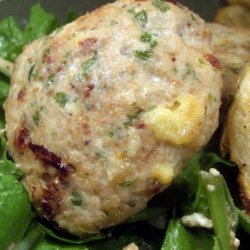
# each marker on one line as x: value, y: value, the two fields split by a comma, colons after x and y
x: 76, y: 199
x: 146, y: 37
x: 143, y: 54
x: 104, y: 216
x: 153, y: 44
x: 31, y: 71
x: 99, y: 154
x: 193, y: 17
x: 127, y: 183
x: 212, y: 99
x: 36, y: 117
x: 147, y: 53
x: 114, y: 131
x: 142, y: 17
x: 190, y: 71
x: 61, y: 98
x: 162, y: 5
x: 51, y: 79
x: 87, y: 64
x: 113, y: 22
x: 131, y: 119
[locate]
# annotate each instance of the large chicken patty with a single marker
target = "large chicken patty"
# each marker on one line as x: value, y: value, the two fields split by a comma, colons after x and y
x: 104, y: 113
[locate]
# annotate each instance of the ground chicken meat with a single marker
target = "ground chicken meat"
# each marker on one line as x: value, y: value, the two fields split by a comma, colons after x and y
x: 103, y: 113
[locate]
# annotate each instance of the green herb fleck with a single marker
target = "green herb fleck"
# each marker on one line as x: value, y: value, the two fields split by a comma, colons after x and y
x: 153, y: 44
x: 36, y: 117
x: 193, y: 17
x: 132, y: 11
x: 113, y: 22
x: 190, y: 71
x: 212, y: 99
x: 87, y: 64
x: 127, y: 183
x: 143, y: 54
x: 76, y: 199
x: 104, y: 216
x: 130, y: 119
x: 146, y: 37
x: 31, y: 71
x: 114, y: 131
x: 99, y: 154
x: 163, y: 6
x: 142, y: 17
x: 61, y: 98
x: 51, y: 78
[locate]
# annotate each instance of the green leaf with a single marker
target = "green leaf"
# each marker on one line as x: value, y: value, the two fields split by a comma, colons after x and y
x: 219, y: 209
x: 71, y: 16
x: 49, y: 244
x: 210, y: 159
x: 40, y: 23
x: 32, y: 237
x: 63, y: 237
x: 4, y: 89
x: 15, y: 213
x: 147, y: 213
x: 180, y: 238
x: 7, y: 166
x: 244, y: 220
x: 11, y: 39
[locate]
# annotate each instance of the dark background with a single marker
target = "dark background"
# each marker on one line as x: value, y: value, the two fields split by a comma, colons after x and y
x: 20, y: 8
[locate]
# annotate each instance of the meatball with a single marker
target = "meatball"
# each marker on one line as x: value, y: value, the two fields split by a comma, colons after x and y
x: 232, y: 47
x: 103, y: 113
x: 236, y: 137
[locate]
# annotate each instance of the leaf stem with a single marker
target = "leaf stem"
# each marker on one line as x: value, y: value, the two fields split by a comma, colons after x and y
x: 6, y: 67
x: 218, y: 206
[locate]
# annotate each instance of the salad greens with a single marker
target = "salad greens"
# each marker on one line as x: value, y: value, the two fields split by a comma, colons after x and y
x: 199, y: 189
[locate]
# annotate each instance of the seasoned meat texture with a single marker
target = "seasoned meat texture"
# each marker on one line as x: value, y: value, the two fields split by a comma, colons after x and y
x: 244, y: 2
x: 236, y: 139
x: 103, y: 113
x: 232, y: 47
x: 234, y: 16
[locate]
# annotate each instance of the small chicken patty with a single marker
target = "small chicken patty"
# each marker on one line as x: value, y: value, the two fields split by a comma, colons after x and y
x: 103, y: 113
x: 232, y: 47
x: 236, y: 136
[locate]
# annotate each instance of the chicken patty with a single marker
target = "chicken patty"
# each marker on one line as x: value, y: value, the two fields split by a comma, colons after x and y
x: 232, y: 47
x: 236, y: 137
x: 103, y: 113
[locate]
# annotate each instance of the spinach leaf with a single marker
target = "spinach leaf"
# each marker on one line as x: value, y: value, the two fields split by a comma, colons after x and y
x: 7, y: 166
x: 181, y: 238
x: 15, y: 210
x: 221, y: 209
x: 40, y: 23
x: 13, y: 38
x: 244, y: 220
x: 4, y: 89
x: 63, y: 237
x: 147, y: 213
x: 48, y: 244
